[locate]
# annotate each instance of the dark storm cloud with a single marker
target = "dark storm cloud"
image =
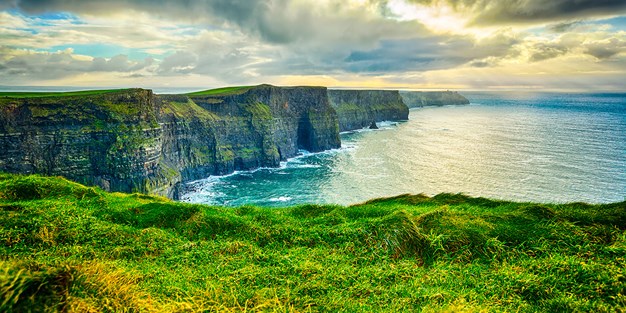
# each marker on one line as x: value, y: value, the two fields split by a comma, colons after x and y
x: 480, y: 64
x: 606, y: 49
x: 563, y: 26
x: 395, y: 56
x: 528, y: 11
x: 403, y: 55
x: 542, y: 51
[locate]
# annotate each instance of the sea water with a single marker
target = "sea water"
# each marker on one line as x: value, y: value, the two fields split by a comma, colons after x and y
x: 540, y: 147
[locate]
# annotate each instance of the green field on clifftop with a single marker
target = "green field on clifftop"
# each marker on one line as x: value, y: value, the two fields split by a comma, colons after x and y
x: 67, y: 247
x: 43, y: 94
x: 220, y: 91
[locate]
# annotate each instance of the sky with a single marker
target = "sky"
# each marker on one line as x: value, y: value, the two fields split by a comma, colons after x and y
x: 551, y: 45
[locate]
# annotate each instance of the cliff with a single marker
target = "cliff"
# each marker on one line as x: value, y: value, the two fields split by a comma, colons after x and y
x: 111, y: 140
x: 215, y: 133
x: 132, y: 140
x: 360, y: 108
x: 414, y: 99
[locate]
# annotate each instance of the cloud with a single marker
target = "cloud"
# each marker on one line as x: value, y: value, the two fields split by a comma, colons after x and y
x: 27, y: 65
x: 543, y: 51
x: 179, y: 62
x: 487, y: 12
x: 605, y: 49
x: 254, y: 41
x: 563, y: 26
x: 275, y: 21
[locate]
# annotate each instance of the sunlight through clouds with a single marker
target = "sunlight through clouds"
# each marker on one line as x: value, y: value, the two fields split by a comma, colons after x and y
x: 408, y: 44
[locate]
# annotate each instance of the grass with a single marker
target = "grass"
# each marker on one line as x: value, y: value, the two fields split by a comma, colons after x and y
x: 188, y: 109
x: 67, y: 247
x: 221, y: 91
x: 57, y: 94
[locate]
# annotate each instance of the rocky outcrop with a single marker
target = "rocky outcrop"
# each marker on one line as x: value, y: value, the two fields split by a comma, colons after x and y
x: 358, y: 109
x: 133, y: 140
x: 415, y: 99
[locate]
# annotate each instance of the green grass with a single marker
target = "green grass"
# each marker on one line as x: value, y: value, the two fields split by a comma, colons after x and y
x: 57, y: 94
x: 66, y: 247
x: 221, y: 91
x: 189, y: 109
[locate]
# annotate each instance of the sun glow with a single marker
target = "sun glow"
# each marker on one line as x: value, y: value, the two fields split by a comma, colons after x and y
x: 437, y: 17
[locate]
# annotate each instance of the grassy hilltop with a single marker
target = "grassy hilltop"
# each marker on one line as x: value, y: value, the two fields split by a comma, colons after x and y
x: 67, y: 247
x: 44, y: 94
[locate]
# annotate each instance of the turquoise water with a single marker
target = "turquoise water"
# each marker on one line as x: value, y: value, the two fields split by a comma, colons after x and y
x: 525, y: 147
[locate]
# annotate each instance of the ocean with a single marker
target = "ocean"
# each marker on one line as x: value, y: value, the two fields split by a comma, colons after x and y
x: 540, y: 147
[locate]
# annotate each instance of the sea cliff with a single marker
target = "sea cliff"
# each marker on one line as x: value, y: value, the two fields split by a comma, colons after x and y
x: 360, y: 108
x: 215, y: 133
x: 415, y: 99
x: 112, y: 139
x: 132, y: 140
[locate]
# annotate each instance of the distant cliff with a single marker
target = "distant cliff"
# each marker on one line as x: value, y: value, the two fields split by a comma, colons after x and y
x: 414, y: 99
x: 360, y: 108
x: 133, y: 140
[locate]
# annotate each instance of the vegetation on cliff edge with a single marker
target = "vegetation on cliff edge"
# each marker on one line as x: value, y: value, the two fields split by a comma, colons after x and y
x: 221, y: 91
x: 67, y: 247
x: 30, y: 94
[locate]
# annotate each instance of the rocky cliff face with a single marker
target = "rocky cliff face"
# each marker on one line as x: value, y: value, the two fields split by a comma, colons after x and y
x: 132, y: 140
x: 360, y: 108
x: 414, y: 99
x: 251, y: 127
x: 112, y: 140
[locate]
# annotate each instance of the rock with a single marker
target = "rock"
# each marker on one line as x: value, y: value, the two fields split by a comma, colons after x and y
x: 373, y: 125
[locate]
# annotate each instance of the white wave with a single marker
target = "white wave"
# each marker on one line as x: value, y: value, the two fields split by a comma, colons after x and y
x: 387, y: 124
x: 200, y: 190
x: 384, y: 125
x: 304, y: 165
x: 280, y: 199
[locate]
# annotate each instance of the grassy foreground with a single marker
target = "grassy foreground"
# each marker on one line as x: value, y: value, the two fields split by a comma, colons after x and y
x: 66, y: 247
